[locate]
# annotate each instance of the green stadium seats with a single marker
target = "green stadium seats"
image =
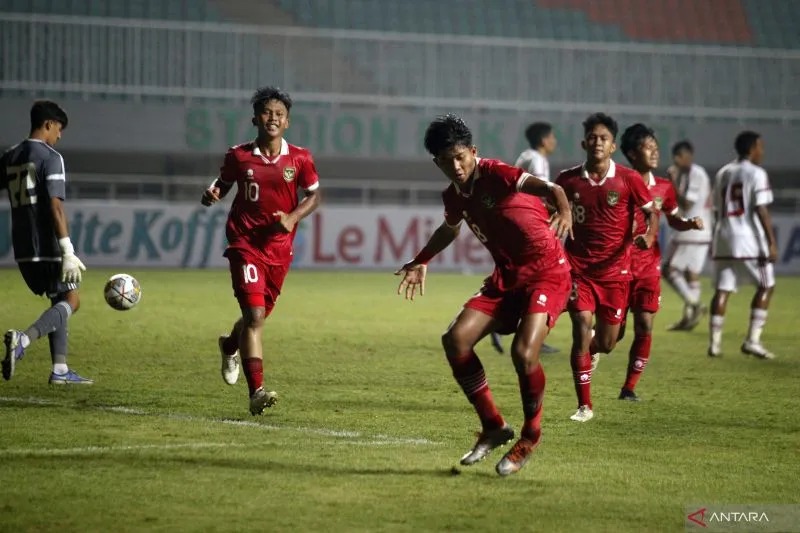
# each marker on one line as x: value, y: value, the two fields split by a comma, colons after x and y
x: 714, y: 22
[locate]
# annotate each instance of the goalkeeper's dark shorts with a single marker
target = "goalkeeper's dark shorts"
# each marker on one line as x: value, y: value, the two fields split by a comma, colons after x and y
x: 44, y: 277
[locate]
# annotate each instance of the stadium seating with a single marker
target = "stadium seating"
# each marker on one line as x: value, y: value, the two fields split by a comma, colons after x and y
x: 714, y: 22
x: 774, y: 24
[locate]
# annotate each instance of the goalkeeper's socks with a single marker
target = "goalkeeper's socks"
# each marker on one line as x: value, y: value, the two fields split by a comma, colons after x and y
x: 49, y: 321
x: 60, y: 369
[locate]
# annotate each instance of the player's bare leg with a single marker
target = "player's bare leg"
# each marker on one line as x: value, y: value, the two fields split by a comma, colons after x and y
x: 581, y: 362
x: 719, y: 304
x: 758, y: 319
x: 468, y: 328
x: 639, y: 353
x: 253, y: 359
x: 525, y: 351
x: 604, y: 338
x: 229, y: 353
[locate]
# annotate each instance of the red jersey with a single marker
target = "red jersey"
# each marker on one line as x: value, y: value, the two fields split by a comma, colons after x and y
x: 602, y: 218
x: 647, y: 263
x: 513, y: 226
x: 265, y: 186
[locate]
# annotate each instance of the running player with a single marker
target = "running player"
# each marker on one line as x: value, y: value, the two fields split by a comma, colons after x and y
x: 743, y: 246
x: 524, y: 295
x: 269, y: 174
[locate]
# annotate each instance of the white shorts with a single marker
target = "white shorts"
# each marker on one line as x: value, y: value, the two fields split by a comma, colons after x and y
x: 687, y: 256
x: 728, y: 272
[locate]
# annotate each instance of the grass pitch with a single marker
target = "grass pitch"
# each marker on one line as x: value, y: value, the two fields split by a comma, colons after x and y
x: 370, y: 423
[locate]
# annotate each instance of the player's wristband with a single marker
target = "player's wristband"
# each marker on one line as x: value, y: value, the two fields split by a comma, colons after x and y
x: 423, y: 257
x: 66, y: 246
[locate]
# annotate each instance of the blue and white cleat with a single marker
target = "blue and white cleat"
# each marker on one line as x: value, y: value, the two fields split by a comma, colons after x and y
x: 14, y: 352
x: 70, y: 378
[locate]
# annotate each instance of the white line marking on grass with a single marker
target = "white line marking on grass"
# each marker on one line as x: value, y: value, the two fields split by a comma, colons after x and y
x: 367, y: 440
x: 96, y: 450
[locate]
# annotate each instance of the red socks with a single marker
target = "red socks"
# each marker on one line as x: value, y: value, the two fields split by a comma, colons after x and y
x: 582, y: 376
x: 637, y: 360
x: 468, y: 372
x: 531, y: 388
x: 254, y: 373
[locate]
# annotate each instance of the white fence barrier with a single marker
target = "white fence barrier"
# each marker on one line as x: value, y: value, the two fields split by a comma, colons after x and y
x: 190, y: 236
x: 189, y: 60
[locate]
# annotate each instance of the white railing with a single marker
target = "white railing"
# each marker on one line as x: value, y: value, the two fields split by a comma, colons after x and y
x: 187, y: 60
x: 86, y: 186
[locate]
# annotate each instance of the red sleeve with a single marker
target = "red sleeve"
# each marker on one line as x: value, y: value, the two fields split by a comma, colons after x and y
x: 228, y: 172
x: 506, y: 173
x: 640, y: 194
x: 670, y: 204
x: 452, y: 209
x: 308, y: 178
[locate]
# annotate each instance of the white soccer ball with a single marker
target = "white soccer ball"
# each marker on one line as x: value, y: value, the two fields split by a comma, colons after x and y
x: 122, y: 292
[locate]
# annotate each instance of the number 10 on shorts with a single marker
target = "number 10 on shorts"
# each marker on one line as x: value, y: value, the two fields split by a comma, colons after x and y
x: 250, y: 273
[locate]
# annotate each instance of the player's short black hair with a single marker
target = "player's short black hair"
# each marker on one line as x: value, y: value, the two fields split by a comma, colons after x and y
x: 745, y: 142
x: 681, y: 146
x: 600, y: 118
x: 265, y: 94
x: 536, y: 132
x: 44, y: 110
x: 633, y: 137
x: 446, y: 131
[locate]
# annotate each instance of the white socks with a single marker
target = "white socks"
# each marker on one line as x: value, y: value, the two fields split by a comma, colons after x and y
x: 715, y: 328
x: 758, y: 318
x: 694, y: 292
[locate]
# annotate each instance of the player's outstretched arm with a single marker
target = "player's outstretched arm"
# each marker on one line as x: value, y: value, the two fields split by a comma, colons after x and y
x: 684, y: 224
x: 71, y: 266
x: 561, y: 219
x: 766, y: 222
x: 415, y: 270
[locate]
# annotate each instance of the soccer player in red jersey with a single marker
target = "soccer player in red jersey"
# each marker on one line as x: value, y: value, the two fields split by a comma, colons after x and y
x: 605, y: 197
x: 268, y: 173
x: 524, y: 294
x: 640, y: 147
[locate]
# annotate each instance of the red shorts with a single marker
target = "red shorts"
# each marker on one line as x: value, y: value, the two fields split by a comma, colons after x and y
x: 608, y: 300
x: 508, y: 307
x: 645, y: 294
x: 255, y: 283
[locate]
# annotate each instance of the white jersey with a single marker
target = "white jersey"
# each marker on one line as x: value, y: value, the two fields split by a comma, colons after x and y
x: 695, y: 187
x: 535, y: 163
x: 740, y: 187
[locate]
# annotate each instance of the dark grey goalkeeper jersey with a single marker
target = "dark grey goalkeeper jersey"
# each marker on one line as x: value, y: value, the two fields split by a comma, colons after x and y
x: 33, y: 172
